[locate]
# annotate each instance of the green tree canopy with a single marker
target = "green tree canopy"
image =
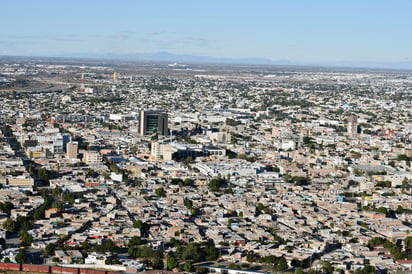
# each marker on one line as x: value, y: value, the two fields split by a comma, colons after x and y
x: 160, y: 192
x: 282, y: 264
x: 188, y: 267
x: 6, y: 207
x: 49, y: 250
x: 171, y: 262
x: 134, y: 241
x: 21, y: 256
x: 26, y: 238
x: 299, y: 270
x: 9, y: 225
x: 192, y: 252
x: 211, y: 253
x: 107, y: 246
x: 327, y: 267
x: 408, y: 242
x: 216, y: 183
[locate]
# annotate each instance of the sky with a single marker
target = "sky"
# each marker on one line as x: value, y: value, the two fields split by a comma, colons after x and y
x: 305, y: 30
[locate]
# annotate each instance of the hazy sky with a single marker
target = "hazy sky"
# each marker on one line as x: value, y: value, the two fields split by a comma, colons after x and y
x: 306, y: 30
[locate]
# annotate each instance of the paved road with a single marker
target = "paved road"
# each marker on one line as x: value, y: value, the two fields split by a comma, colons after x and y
x: 33, y: 256
x: 12, y: 240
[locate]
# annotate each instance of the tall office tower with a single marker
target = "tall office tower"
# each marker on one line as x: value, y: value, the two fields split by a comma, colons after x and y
x: 153, y: 121
x: 352, y: 125
x: 72, y: 150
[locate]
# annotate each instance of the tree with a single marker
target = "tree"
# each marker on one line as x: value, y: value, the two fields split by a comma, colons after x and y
x: 68, y: 197
x: 6, y: 207
x: 282, y: 264
x: 38, y: 213
x: 188, y: 267
x: 157, y: 263
x: 188, y: 203
x: 299, y: 270
x: 141, y: 225
x: 250, y: 257
x: 216, y: 183
x: 25, y: 223
x: 232, y: 122
x: 399, y: 210
x: 259, y: 208
x: 187, y: 182
x: 245, y: 157
x: 192, y: 252
x: 188, y: 160
x: 271, y: 259
x: 107, y: 246
x: 211, y: 253
x: 133, y: 251
x: 21, y: 256
x: 160, y: 192
x: 312, y: 271
x: 375, y: 241
x: 295, y: 263
x: 49, y: 250
x: 408, y: 242
x: 44, y: 174
x: 7, y: 260
x: 28, y: 193
x: 171, y: 262
x: 382, y: 210
x: 138, y: 224
x: 26, y: 238
x: 405, y: 184
x: 367, y: 269
x: 327, y: 267
x: 86, y: 246
x: 9, y: 225
x: 176, y: 181
x: 112, y: 260
x: 92, y: 173
x: 194, y: 211
x: 135, y: 240
x: 384, y: 183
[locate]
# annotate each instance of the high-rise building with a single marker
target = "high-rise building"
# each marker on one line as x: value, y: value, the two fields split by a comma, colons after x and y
x: 153, y: 121
x: 352, y: 125
x: 72, y: 150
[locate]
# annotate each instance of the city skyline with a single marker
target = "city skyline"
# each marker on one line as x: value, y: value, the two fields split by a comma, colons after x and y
x: 317, y: 32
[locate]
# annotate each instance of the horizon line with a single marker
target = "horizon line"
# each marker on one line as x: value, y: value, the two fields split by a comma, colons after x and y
x: 363, y: 65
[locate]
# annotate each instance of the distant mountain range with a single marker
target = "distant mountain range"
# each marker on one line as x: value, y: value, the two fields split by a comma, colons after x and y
x: 187, y: 58
x: 164, y: 56
x: 171, y: 57
x: 407, y: 65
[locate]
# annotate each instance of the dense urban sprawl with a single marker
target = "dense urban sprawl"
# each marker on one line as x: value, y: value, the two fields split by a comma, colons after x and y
x: 134, y: 166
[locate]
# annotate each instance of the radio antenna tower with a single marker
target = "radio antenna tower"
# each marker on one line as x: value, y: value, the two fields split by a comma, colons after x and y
x: 82, y: 87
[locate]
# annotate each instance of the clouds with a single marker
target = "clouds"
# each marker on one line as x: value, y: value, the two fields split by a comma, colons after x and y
x: 199, y: 41
x: 152, y: 41
x: 39, y: 44
x: 122, y: 35
x: 104, y: 41
x: 41, y: 38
